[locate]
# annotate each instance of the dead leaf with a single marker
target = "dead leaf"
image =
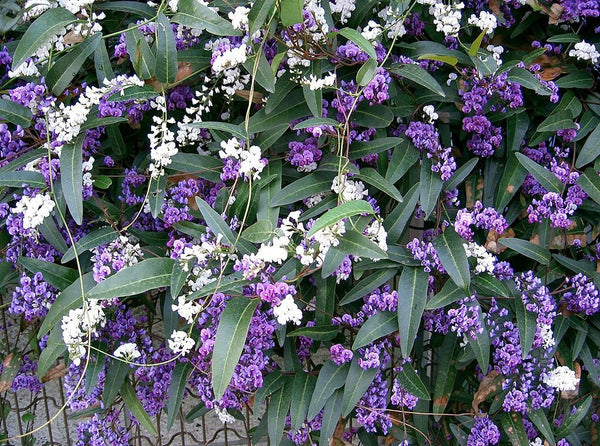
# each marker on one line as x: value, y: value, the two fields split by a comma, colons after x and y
x: 336, y: 439
x: 492, y: 238
x: 536, y: 240
x: 184, y: 70
x: 55, y: 372
x: 11, y: 366
x: 72, y: 38
x: 491, y: 383
x: 257, y: 96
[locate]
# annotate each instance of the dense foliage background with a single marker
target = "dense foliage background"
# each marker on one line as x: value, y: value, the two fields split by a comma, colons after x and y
x: 378, y: 212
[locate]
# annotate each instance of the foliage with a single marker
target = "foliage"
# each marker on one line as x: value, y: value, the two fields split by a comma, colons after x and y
x: 373, y: 214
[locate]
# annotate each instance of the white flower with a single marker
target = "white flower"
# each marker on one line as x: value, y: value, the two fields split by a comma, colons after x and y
x: 251, y: 163
x: 496, y: 51
x: 224, y: 416
x: 429, y: 114
x: 186, y: 309
x: 547, y: 336
x: 239, y: 18
x: 180, y: 342
x: 274, y: 252
x: 394, y: 22
x: 343, y: 7
x: 161, y: 138
x: 287, y: 311
x: 128, y: 352
x: 485, y: 22
x: 451, y: 77
x: 485, y: 260
x: 27, y: 68
x: 537, y: 442
x: 585, y: 51
x: 74, y: 6
x: 80, y: 324
x: 378, y: 234
x: 562, y: 378
x: 446, y: 17
x: 314, y: 83
x: 86, y: 167
x: 34, y: 209
x: 348, y: 189
x: 230, y: 58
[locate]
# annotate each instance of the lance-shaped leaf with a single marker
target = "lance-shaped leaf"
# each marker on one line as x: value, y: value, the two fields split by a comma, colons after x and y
x: 357, y: 383
x: 95, y: 366
x: 39, y: 32
x: 116, y: 374
x: 129, y: 7
x: 194, y: 14
x: 317, y: 332
x: 449, y: 294
x: 381, y: 324
x: 404, y: 157
x: 461, y: 173
x: 104, y: 70
x: 368, y: 284
x: 512, y: 179
x: 360, y: 149
x: 372, y: 177
x: 141, y: 55
x: 52, y: 235
x: 590, y: 150
x: 55, y: 347
x: 15, y: 113
x: 277, y: 411
x: 21, y: 178
x: 258, y: 14
x: 431, y: 187
x: 22, y: 160
x: 590, y: 183
x: 344, y: 210
x: 218, y: 226
x: 396, y: 221
x: 353, y: 242
x: 451, y: 252
x: 291, y: 12
x: 312, y: 184
x: 540, y: 420
x: 527, y: 249
x: 373, y: 116
x: 420, y: 76
x: 557, y: 121
x: 56, y: 275
x: 481, y: 344
x: 526, y: 79
x: 527, y: 325
x: 513, y: 426
x: 90, y: 241
x: 412, y: 296
x: 364, y: 75
x: 487, y: 285
x: 132, y: 402
x: 331, y: 417
x: 547, y: 179
x: 230, y: 340
x: 359, y: 40
x: 302, y: 389
x: 331, y: 377
x: 179, y: 380
x: 325, y: 299
x: 71, y: 177
x: 446, y: 375
x: 573, y: 420
x: 63, y: 71
x: 144, y: 276
x: 410, y: 381
x: 166, y: 51
x: 291, y: 108
x: 271, y: 383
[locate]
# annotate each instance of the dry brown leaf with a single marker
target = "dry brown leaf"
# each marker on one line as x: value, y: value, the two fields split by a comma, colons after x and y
x: 491, y: 243
x: 55, y: 372
x: 336, y: 439
x: 491, y: 383
x: 257, y: 96
x: 184, y: 70
x: 72, y: 38
x: 9, y: 371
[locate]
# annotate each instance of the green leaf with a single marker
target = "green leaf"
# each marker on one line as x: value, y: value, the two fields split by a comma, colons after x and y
x: 283, y: 88
x: 179, y: 380
x: 166, y: 51
x: 381, y: 324
x: 331, y: 417
x: 528, y: 249
x: 365, y: 73
x: 227, y: 284
x: 55, y: 348
x: 258, y: 14
x: 357, y: 383
x: 487, y: 285
x: 289, y: 109
x: 573, y: 420
x: 431, y: 187
x: 91, y: 240
x: 22, y: 160
x: 22, y: 177
x: 446, y: 59
x: 481, y: 344
x: 547, y: 179
x: 52, y: 235
x: 316, y: 122
x: 39, y: 32
x: 63, y: 71
x: 474, y: 48
x: 361, y: 149
x: 516, y: 129
x: 374, y: 116
x: 317, y: 332
x: 331, y: 377
x: 102, y: 64
x: 513, y: 426
x: 420, y: 76
x: 359, y: 40
x: 95, y: 366
x: 449, y: 294
x: 204, y: 166
x: 116, y: 373
x: 449, y: 247
x: 368, y: 284
x: 218, y: 226
x: 578, y: 79
x: 325, y: 300
x: 557, y: 121
x: 69, y: 299
x: 15, y: 113
x: 564, y: 38
x: 234, y: 130
x: 179, y: 277
x: 279, y: 404
x: 132, y: 402
x: 408, y: 378
x: 302, y: 188
x: 372, y: 177
x: 590, y: 150
x: 333, y: 259
x: 540, y: 420
x: 267, y: 210
x: 230, y: 340
x: 314, y: 98
x: 353, y: 242
x: 56, y: 275
x: 302, y: 390
x: 527, y: 325
x: 404, y: 156
x: 272, y: 382
x: 129, y: 7
x: 291, y: 12
x: 590, y: 183
x: 344, y: 210
x: 461, y: 174
x: 445, y: 377
x: 193, y: 14
x: 396, y: 221
x: 412, y: 297
x: 71, y: 177
x: 526, y: 79
x: 158, y: 189
x: 264, y: 73
x: 259, y: 232
x: 579, y: 266
x: 511, y: 181
x: 142, y: 57
x: 144, y: 276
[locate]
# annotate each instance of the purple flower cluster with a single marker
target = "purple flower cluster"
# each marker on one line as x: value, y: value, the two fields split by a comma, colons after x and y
x: 582, y: 295
x: 32, y: 297
x: 464, y: 320
x: 153, y: 382
x: 484, y: 433
x: 371, y: 410
x: 339, y: 354
x: 486, y: 138
x: 479, y: 217
x: 425, y: 253
x: 101, y: 430
x: 304, y: 155
x: 26, y: 377
x: 426, y: 138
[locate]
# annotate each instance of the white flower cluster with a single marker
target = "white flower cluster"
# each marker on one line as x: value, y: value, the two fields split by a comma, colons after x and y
x: 496, y: 52
x: 224, y: 416
x: 230, y: 58
x: 394, y: 22
x: 79, y: 325
x: 446, y: 16
x: 34, y: 209
x: 128, y: 352
x: 126, y: 248
x: 86, y: 168
x: 348, y: 190
x: 316, y: 33
x: 251, y: 164
x: 429, y: 114
x: 372, y: 30
x: 537, y: 442
x: 67, y: 119
x: 239, y: 18
x: 547, y: 336
x: 162, y: 139
x: 486, y: 21
x: 376, y: 232
x: 314, y: 83
x: 75, y: 6
x: 562, y: 378
x: 274, y: 251
x: 187, y: 309
x: 585, y: 51
x: 485, y: 260
x: 201, y: 103
x: 180, y: 343
x: 287, y: 311
x: 342, y: 7
x: 325, y: 239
